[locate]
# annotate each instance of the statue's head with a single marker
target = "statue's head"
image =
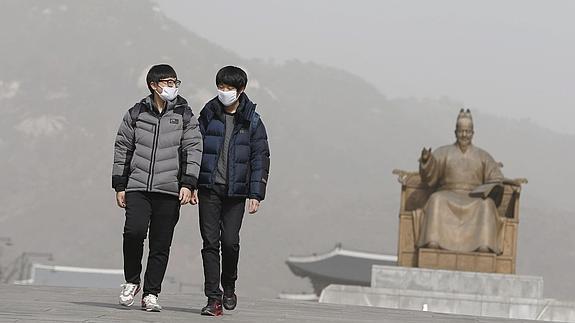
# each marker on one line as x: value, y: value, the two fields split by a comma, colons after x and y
x: 464, y: 128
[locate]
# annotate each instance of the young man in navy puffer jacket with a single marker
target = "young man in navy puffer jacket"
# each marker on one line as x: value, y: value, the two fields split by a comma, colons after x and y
x: 235, y: 167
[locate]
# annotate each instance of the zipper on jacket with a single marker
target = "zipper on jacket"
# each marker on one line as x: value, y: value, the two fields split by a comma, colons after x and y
x: 153, y: 159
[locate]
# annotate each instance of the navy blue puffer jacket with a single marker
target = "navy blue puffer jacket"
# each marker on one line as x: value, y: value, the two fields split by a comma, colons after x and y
x: 248, y: 155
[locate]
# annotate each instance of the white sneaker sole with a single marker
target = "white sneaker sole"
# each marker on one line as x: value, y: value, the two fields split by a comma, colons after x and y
x: 126, y: 304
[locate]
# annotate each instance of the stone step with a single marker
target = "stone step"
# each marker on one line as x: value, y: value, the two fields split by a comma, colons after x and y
x: 449, y: 281
x: 453, y: 303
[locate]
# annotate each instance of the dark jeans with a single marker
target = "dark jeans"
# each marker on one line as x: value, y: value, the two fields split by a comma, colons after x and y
x: 220, y: 222
x: 160, y: 212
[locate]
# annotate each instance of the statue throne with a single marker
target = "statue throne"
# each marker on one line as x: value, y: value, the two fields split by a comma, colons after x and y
x: 414, y: 195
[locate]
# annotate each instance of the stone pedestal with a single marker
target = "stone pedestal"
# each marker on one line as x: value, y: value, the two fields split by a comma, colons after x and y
x: 455, y: 292
x: 459, y: 282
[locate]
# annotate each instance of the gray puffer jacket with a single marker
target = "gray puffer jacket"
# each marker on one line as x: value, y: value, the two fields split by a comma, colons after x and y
x: 157, y: 152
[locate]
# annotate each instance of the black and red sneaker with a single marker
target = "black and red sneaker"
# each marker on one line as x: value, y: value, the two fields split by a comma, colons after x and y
x: 230, y: 301
x: 214, y: 307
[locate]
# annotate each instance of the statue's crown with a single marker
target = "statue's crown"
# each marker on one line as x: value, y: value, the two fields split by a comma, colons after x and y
x: 464, y: 114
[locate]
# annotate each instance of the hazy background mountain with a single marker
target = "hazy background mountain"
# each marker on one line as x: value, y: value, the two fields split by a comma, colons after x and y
x: 508, y: 58
x: 69, y: 70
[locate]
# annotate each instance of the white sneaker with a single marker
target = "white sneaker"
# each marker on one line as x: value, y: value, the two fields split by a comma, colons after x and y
x: 129, y: 291
x: 150, y: 303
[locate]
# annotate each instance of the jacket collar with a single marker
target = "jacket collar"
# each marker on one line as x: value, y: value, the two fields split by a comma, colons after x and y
x: 215, y: 109
x: 149, y: 103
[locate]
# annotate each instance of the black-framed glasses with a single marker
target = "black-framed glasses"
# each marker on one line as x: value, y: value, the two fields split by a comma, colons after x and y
x: 171, y: 83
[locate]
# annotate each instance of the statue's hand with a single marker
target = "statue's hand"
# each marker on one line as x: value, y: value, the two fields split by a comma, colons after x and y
x: 425, y: 155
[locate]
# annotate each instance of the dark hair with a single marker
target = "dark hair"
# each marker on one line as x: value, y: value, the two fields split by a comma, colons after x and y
x: 233, y: 76
x: 158, y: 72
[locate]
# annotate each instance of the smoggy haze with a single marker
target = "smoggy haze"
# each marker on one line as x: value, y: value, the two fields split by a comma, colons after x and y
x: 508, y: 58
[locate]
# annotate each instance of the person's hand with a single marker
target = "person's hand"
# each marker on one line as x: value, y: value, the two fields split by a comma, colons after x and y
x: 194, y: 199
x: 121, y: 199
x: 185, y: 195
x: 253, y: 205
x: 425, y: 154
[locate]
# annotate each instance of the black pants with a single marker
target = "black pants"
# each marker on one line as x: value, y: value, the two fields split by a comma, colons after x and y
x: 160, y: 212
x: 220, y: 222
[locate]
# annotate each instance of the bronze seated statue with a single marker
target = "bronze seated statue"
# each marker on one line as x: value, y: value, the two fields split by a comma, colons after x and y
x: 459, y: 212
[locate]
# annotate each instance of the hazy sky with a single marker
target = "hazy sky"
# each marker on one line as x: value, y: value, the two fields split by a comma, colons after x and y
x: 508, y: 58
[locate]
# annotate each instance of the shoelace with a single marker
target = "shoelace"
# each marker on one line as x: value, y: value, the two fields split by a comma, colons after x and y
x: 129, y: 288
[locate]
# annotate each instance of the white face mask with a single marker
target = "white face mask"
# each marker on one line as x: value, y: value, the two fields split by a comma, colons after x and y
x: 168, y: 93
x: 227, y: 98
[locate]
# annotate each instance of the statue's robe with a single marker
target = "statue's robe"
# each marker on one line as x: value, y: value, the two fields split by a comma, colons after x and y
x: 451, y: 217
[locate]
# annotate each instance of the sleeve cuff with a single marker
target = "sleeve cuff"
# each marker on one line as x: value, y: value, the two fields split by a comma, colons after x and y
x: 188, y: 186
x: 119, y: 183
x: 255, y: 197
x: 189, y: 181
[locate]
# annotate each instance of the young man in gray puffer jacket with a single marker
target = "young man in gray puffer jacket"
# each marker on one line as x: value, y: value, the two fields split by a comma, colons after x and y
x: 157, y: 156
